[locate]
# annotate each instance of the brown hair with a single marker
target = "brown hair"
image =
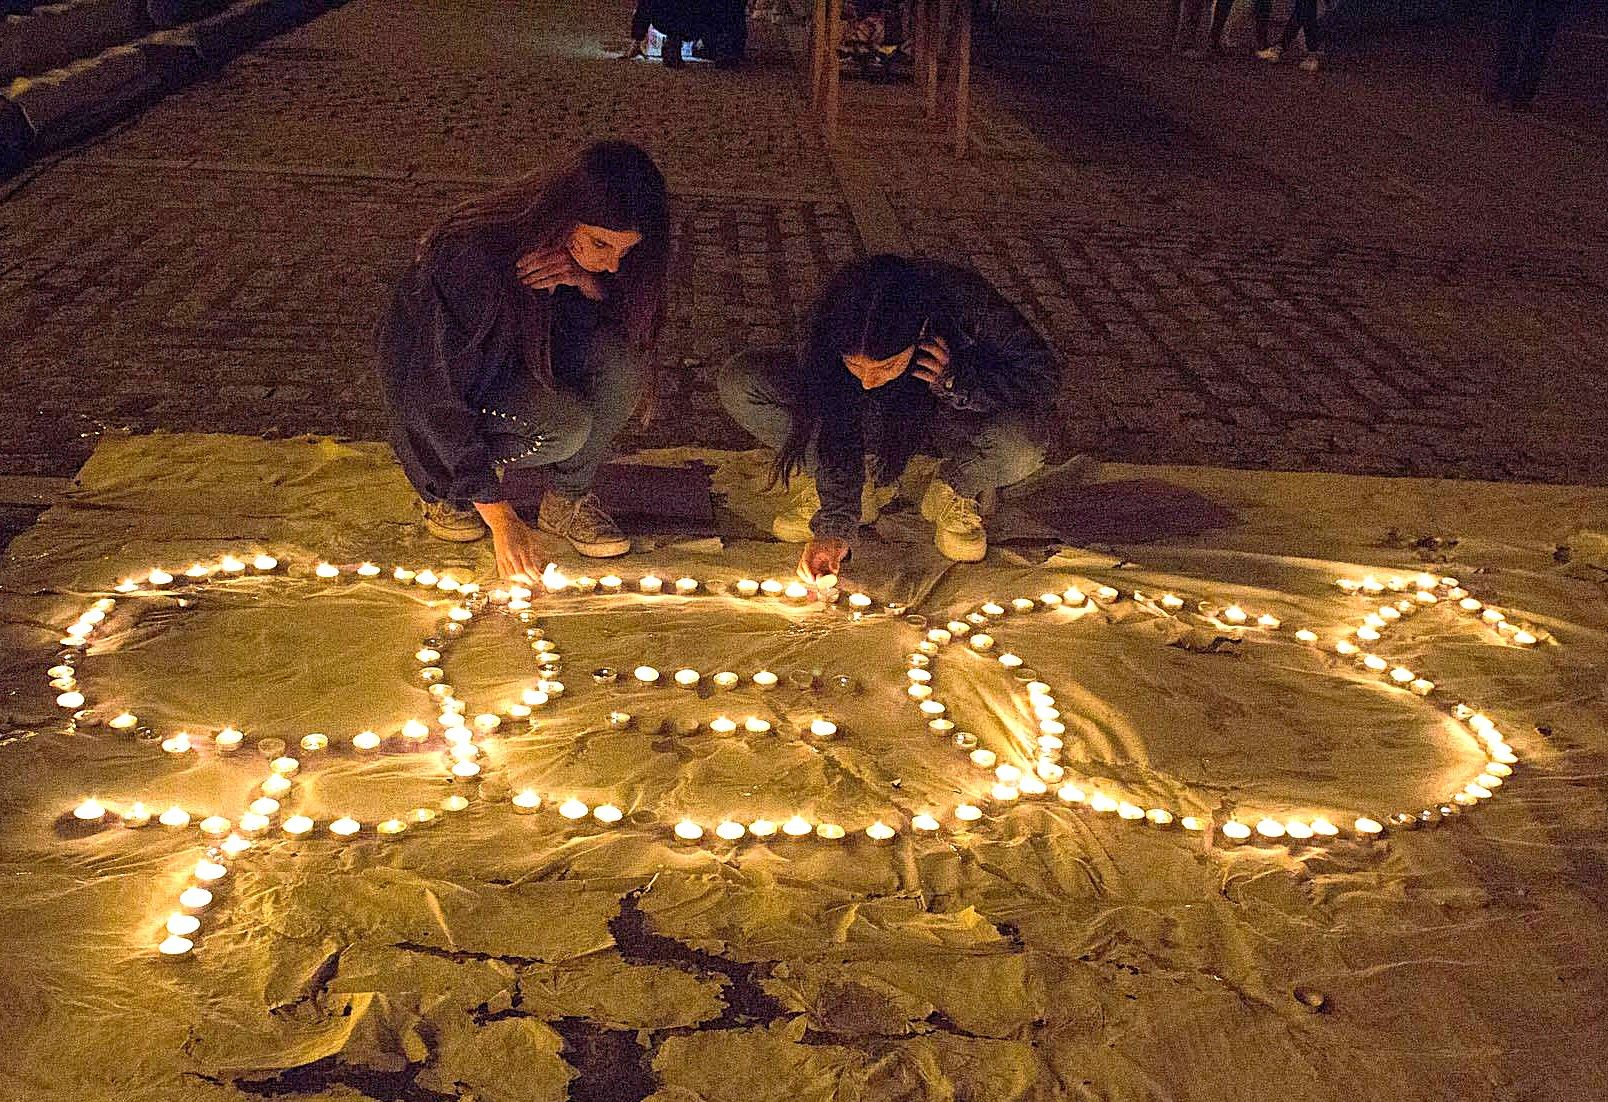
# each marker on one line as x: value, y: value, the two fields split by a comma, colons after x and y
x: 612, y: 184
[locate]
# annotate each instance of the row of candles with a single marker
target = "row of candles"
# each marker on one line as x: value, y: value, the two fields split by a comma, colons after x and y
x: 1040, y: 754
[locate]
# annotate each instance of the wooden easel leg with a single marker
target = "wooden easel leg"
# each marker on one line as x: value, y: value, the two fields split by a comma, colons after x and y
x: 963, y: 79
x: 834, y: 70
x: 818, y: 56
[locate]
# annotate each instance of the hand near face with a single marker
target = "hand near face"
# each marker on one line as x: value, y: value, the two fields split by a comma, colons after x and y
x: 821, y: 557
x: 931, y: 362
x: 551, y: 267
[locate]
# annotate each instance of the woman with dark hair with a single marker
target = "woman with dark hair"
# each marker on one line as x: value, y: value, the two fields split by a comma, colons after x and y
x: 900, y: 355
x: 520, y: 337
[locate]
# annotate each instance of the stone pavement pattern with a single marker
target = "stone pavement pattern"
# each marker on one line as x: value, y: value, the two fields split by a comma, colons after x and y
x: 1367, y: 272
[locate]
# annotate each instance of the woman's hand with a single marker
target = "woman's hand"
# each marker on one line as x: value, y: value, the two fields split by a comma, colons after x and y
x: 520, y: 550
x: 820, y: 557
x: 547, y: 268
x: 931, y: 363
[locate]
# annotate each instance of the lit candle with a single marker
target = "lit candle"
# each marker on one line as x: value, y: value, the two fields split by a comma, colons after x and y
x: 390, y: 827
x: 215, y: 826
x: 1234, y: 614
x: 797, y: 827
x: 573, y: 809
x: 265, y: 564
x: 607, y: 814
x: 90, y: 811
x: 182, y: 925
x: 1071, y: 793
x: 1236, y: 830
x: 1298, y: 830
x: 1270, y: 828
x: 730, y: 831
x: 454, y: 803
x: 330, y: 570
x: 1366, y: 825
x: 415, y: 730
x: 345, y: 827
x: 1010, y: 661
x: 136, y: 816
x: 967, y: 813
x: 687, y: 678
x: 314, y: 742
x: 651, y: 583
x: 754, y: 725
x: 721, y: 725
x: 982, y: 641
x: 70, y: 700
x: 275, y: 785
x: 264, y: 805
x: 285, y: 766
x: 195, y: 899
x: 859, y: 601
x: 123, y: 721
x: 610, y: 583
x: 747, y: 587
x: 365, y: 741
x: 1103, y: 803
x: 1160, y: 816
x: 688, y: 831
x: 465, y: 770
x: 796, y: 591
x: 771, y: 587
x: 924, y: 824
x: 1172, y: 602
x: 830, y: 832
x: 984, y: 758
x: 174, y: 816
x: 208, y: 871
x: 686, y: 586
x: 823, y: 728
x: 174, y: 946
x: 1270, y: 623
x: 297, y: 825
x: 1307, y: 636
x: 765, y: 679
x: 762, y: 828
x: 252, y: 823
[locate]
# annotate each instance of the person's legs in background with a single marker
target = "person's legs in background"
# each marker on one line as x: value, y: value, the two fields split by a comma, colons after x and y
x: 1546, y: 16
x: 1507, y: 38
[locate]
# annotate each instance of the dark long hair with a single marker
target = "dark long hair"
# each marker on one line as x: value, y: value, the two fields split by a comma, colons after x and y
x: 612, y: 184
x: 875, y: 307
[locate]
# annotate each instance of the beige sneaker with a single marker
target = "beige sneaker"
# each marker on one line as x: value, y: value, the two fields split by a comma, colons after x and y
x: 957, y: 523
x: 792, y: 524
x: 582, y: 521
x: 446, y: 523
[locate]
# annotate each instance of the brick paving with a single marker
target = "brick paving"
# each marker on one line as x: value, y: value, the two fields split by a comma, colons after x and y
x: 1366, y: 272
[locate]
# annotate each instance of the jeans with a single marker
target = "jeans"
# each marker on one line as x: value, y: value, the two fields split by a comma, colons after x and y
x: 1304, y: 18
x: 1261, y: 13
x: 1524, y: 35
x: 979, y: 451
x: 570, y: 427
x: 1185, y: 14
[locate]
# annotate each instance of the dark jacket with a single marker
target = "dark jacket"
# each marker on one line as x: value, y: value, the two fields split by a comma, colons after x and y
x: 998, y: 363
x: 459, y: 324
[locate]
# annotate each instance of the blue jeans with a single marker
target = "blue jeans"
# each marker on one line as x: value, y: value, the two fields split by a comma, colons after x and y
x: 570, y: 427
x: 979, y: 452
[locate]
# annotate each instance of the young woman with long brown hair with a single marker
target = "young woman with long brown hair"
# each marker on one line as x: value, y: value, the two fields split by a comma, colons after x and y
x: 519, y: 336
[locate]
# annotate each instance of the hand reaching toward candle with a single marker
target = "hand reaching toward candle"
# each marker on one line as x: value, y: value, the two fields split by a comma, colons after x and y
x: 821, y: 557
x: 520, y: 550
x: 552, y: 267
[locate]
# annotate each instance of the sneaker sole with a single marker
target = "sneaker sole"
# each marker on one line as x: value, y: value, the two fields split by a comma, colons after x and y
x: 455, y: 535
x: 965, y: 556
x: 611, y: 550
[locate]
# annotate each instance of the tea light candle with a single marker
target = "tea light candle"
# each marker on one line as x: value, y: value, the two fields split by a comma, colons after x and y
x: 215, y: 826
x: 345, y: 827
x: 1071, y: 794
x: 686, y: 587
x: 823, y: 728
x: 1160, y: 816
x: 329, y: 570
x: 90, y: 811
x: 721, y: 725
x: 265, y: 564
x: 276, y: 785
x: 297, y: 825
x: 465, y: 770
x: 651, y: 583
x: 285, y: 766
x: 859, y: 601
x: 390, y: 827
x: 687, y: 678
x: 747, y: 587
x: 1234, y: 614
x: 70, y: 700
x: 195, y: 899
x: 314, y: 742
x: 770, y: 587
x: 754, y: 725
x: 730, y: 831
x: 607, y: 814
x: 368, y: 570
x: 136, y: 816
x: 265, y: 806
x: 181, y: 925
x: 968, y: 813
x: 1270, y: 828
x: 526, y: 800
x: 983, y: 758
x: 174, y: 816
x: 981, y: 641
x: 1269, y: 622
x: 797, y: 827
x: 1367, y: 826
x: 1297, y: 830
x: 796, y: 591
x: 991, y: 608
x: 1172, y: 602
x: 646, y: 674
x: 830, y: 832
x: 208, y: 871
x: 765, y: 679
x: 415, y: 731
x: 454, y: 803
x: 688, y: 831
x: 924, y: 824
x: 1010, y: 661
x: 173, y: 946
x: 365, y: 741
x: 762, y: 828
x: 574, y: 809
x: 123, y: 721
x: 610, y: 583
x: 1236, y: 830
x: 1306, y: 636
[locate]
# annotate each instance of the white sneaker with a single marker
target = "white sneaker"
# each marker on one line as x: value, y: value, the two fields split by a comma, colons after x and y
x: 957, y: 523
x: 1311, y: 63
x: 1272, y: 53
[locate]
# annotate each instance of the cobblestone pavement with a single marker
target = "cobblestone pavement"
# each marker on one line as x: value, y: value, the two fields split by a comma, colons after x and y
x: 1369, y: 271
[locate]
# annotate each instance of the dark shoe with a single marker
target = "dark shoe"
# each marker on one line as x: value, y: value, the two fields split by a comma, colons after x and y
x: 582, y: 521
x: 456, y: 525
x: 670, y: 53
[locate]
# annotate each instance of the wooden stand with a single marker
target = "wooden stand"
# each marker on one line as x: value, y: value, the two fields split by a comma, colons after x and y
x: 941, y: 41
